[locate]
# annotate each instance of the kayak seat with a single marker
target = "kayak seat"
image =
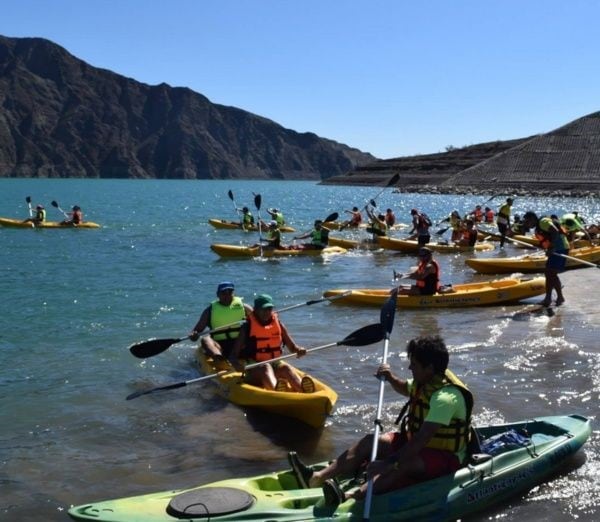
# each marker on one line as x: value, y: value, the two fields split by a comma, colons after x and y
x: 209, y: 502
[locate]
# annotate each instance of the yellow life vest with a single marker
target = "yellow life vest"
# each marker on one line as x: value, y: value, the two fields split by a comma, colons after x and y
x: 221, y: 315
x: 456, y: 435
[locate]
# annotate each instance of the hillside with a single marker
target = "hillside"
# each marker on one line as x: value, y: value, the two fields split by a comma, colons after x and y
x: 64, y: 118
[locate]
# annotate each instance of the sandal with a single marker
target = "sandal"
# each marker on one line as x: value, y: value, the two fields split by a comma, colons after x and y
x: 307, y: 384
x: 281, y: 386
x: 301, y: 470
x: 332, y: 493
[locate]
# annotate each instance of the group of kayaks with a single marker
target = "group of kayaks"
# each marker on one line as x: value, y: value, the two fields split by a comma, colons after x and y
x: 20, y: 223
x: 488, y: 478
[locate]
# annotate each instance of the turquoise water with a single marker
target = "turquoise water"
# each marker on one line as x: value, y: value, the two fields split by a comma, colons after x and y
x: 74, y: 300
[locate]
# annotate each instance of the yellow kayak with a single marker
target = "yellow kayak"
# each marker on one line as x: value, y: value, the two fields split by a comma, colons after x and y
x: 486, y: 293
x: 411, y: 246
x: 224, y: 250
x: 349, y: 244
x: 532, y: 263
x: 310, y: 408
x: 235, y: 225
x: 19, y: 223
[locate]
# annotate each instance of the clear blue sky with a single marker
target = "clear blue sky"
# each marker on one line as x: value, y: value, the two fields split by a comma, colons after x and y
x: 389, y: 77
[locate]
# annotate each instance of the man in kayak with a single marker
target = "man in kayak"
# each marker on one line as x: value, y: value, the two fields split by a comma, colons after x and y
x: 553, y: 238
x: 247, y: 218
x: 276, y: 215
x: 273, y: 239
x: 40, y: 215
x: 426, y: 275
x: 262, y: 339
x: 319, y: 236
x: 390, y: 218
x: 435, y: 430
x: 468, y: 234
x: 226, y: 310
x: 76, y: 217
x: 355, y: 219
x: 377, y: 225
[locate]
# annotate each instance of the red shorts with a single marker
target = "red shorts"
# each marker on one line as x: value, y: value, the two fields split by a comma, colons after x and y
x: 437, y: 462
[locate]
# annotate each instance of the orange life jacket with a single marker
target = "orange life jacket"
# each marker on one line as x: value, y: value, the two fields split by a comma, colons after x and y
x: 423, y: 283
x: 264, y: 340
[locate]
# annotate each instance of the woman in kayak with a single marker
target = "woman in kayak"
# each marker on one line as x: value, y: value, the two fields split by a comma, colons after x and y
x: 261, y: 339
x: 76, y: 217
x: 434, y: 433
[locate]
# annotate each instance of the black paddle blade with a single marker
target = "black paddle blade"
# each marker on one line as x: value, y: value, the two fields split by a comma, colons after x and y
x: 331, y: 217
x: 441, y: 231
x: 230, y: 194
x: 28, y: 199
x: 54, y: 204
x: 373, y: 204
x: 257, y: 201
x: 370, y: 334
x: 393, y: 180
x: 152, y: 347
x: 388, y: 311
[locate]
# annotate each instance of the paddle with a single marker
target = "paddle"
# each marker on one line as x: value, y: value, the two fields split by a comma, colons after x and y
x: 331, y: 217
x: 388, y: 311
x: 257, y: 202
x: 576, y: 259
x: 364, y: 336
x: 55, y: 205
x: 28, y: 199
x: 152, y: 347
x: 230, y: 194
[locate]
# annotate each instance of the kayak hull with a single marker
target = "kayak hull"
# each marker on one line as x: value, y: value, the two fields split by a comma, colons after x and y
x: 350, y: 244
x: 409, y: 246
x: 19, y: 223
x: 486, y: 293
x: 532, y: 263
x: 223, y: 224
x: 225, y: 250
x: 277, y: 496
x: 310, y: 408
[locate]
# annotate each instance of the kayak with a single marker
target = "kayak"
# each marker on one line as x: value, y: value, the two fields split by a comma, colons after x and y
x: 532, y: 262
x: 337, y: 225
x: 235, y: 225
x: 485, y: 293
x: 254, y: 251
x: 349, y: 244
x: 412, y: 246
x: 19, y: 223
x: 487, y: 479
x: 310, y: 408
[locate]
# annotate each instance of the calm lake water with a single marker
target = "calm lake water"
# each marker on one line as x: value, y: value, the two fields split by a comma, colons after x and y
x: 74, y: 300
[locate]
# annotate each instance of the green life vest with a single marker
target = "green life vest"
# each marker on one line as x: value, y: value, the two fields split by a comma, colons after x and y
x: 223, y: 315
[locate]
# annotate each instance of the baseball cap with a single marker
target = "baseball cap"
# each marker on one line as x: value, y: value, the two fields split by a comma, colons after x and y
x: 263, y: 301
x: 225, y: 285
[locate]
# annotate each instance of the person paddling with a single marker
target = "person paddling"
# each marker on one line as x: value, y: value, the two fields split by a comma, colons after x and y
x: 39, y: 217
x: 426, y: 275
x: 76, y: 217
x: 319, y: 236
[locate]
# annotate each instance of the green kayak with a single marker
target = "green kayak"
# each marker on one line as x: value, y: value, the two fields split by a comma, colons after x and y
x: 506, y: 470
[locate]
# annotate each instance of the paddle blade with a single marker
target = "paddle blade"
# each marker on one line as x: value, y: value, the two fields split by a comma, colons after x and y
x: 373, y: 204
x: 257, y: 201
x: 28, y: 199
x: 441, y: 231
x: 152, y: 347
x: 393, y: 180
x: 388, y: 312
x: 331, y: 217
x: 364, y: 336
x: 54, y: 204
x: 230, y: 194
x: 137, y: 394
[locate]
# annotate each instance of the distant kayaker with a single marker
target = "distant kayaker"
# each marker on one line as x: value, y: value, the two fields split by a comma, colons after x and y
x: 503, y: 220
x: 273, y: 238
x: 477, y: 214
x: 426, y: 275
x: 572, y: 225
x: 355, y: 219
x: 435, y: 426
x: 377, y: 225
x: 390, y: 218
x: 261, y: 339
x: 39, y: 217
x: 276, y: 215
x: 488, y: 215
x: 319, y: 236
x: 76, y: 217
x: 469, y: 234
x: 226, y: 310
x: 247, y: 219
x: 420, y: 227
x: 553, y: 238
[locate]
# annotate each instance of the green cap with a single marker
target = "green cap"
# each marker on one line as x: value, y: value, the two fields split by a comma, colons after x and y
x: 263, y: 301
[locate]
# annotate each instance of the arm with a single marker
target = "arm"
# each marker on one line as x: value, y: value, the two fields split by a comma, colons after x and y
x: 290, y: 343
x: 399, y: 385
x: 200, y: 325
x: 238, y: 347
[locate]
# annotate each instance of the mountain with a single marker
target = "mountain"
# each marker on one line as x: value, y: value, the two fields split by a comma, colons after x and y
x: 61, y: 117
